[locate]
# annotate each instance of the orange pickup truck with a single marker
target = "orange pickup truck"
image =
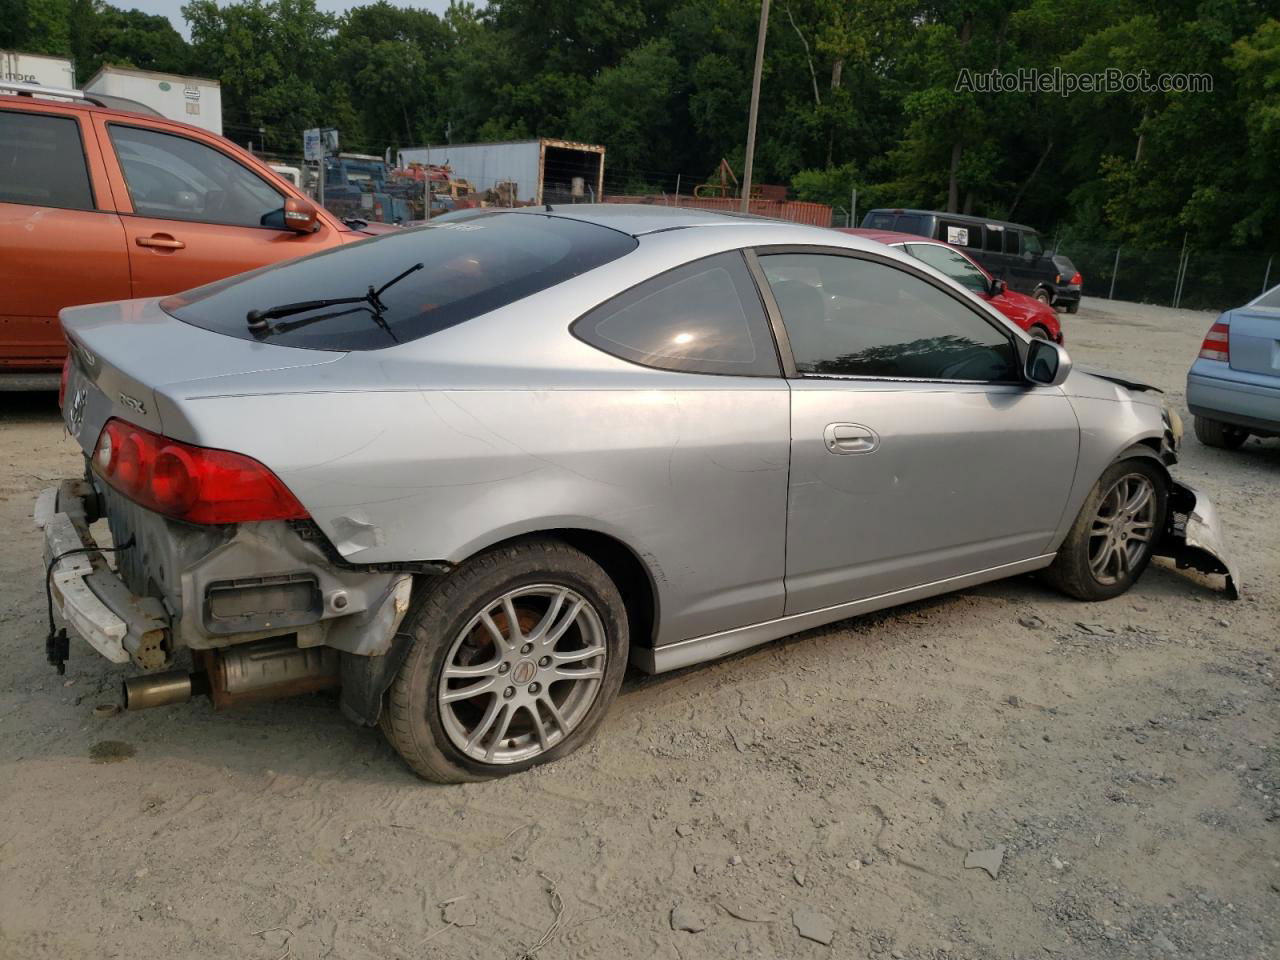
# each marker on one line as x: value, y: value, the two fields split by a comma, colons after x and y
x: 101, y: 203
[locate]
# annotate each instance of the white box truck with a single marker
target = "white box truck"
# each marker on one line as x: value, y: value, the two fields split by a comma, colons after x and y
x: 192, y: 100
x: 37, y: 69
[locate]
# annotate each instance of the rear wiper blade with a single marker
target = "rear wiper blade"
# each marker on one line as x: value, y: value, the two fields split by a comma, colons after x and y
x: 260, y: 320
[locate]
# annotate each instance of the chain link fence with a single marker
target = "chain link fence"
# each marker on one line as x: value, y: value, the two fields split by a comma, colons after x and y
x: 1172, y: 277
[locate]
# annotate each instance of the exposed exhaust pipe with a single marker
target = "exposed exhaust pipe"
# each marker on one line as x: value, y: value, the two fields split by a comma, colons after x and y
x: 264, y: 670
x: 158, y: 690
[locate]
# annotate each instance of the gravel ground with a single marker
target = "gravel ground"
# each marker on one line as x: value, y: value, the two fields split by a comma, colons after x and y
x: 1124, y: 755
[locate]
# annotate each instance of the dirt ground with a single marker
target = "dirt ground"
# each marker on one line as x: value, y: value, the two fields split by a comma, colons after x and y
x: 1125, y: 755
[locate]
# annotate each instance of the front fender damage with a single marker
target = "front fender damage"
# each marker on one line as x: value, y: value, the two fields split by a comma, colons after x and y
x: 1193, y: 536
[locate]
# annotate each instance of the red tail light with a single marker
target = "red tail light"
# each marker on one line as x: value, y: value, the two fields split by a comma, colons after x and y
x: 1217, y: 343
x: 190, y: 483
x: 62, y: 384
x: 1076, y: 278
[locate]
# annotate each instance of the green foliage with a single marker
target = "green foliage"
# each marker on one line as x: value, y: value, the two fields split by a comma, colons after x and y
x: 854, y: 95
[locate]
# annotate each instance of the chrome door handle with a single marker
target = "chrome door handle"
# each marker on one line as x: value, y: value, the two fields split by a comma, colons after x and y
x: 161, y: 241
x: 842, y: 438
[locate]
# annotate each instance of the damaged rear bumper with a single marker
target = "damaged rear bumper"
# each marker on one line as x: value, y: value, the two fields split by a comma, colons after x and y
x: 226, y: 587
x: 1194, y: 538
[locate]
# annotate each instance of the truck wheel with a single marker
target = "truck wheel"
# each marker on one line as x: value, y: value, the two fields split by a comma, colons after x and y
x: 1111, y: 542
x: 1042, y: 295
x: 1215, y: 433
x: 1039, y: 332
x: 516, y: 657
x: 1073, y: 307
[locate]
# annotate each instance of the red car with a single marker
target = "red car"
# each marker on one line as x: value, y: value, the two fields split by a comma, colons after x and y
x: 1037, y: 318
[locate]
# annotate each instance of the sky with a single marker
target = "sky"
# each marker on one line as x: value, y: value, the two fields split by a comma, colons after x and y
x: 173, y: 8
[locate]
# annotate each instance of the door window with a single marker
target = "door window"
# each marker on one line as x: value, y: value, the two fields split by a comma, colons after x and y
x: 704, y: 317
x: 950, y: 264
x: 174, y: 178
x: 42, y: 161
x: 850, y: 317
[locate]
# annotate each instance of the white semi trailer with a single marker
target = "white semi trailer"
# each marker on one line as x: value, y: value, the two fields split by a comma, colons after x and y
x: 192, y: 100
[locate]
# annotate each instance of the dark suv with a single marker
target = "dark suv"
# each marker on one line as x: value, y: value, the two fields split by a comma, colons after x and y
x: 1012, y: 252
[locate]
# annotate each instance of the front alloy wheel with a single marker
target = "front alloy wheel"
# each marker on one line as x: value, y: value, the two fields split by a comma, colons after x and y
x: 1122, y: 529
x: 515, y: 658
x: 1114, y: 535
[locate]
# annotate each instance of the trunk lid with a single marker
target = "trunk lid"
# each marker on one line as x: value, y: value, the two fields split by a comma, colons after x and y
x: 127, y: 356
x: 1254, y: 336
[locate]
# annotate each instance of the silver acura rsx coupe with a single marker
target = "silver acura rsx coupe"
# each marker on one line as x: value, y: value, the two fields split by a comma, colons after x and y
x: 467, y: 472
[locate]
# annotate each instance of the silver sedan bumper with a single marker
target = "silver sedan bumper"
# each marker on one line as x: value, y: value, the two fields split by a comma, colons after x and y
x: 1194, y: 537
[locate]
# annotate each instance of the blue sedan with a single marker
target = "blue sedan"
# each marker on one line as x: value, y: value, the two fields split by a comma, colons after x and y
x: 1233, y: 388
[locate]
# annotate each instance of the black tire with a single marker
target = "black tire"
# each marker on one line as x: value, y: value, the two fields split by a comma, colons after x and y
x: 1039, y: 332
x: 1072, y: 572
x: 1073, y: 307
x: 1042, y: 295
x: 1215, y: 433
x: 414, y: 721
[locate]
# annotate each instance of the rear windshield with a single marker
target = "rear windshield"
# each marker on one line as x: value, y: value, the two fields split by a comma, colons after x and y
x: 470, y: 266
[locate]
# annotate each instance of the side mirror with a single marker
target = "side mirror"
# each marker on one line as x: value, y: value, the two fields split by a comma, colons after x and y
x: 300, y: 216
x: 1046, y: 363
x: 998, y: 286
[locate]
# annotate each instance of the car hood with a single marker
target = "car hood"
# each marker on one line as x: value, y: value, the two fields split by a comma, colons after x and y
x: 1101, y: 385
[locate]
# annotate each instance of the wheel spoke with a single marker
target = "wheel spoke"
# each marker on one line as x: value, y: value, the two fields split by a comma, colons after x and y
x: 1101, y: 560
x: 1122, y: 560
x: 459, y: 671
x: 549, y: 617
x: 538, y: 728
x: 1140, y: 536
x: 513, y: 622
x: 504, y: 723
x: 487, y: 685
x: 577, y: 656
x: 499, y: 638
x: 1139, y: 499
x: 552, y: 709
x: 584, y: 673
x: 554, y: 633
x: 486, y: 722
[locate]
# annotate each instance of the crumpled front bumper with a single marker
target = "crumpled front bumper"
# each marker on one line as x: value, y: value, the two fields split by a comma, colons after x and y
x: 1194, y: 538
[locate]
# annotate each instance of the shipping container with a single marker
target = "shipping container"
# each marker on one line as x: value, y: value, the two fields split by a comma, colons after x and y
x: 542, y: 170
x: 192, y: 100
x: 37, y: 69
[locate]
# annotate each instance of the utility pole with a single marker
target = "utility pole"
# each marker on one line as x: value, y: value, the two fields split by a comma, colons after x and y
x: 755, y: 106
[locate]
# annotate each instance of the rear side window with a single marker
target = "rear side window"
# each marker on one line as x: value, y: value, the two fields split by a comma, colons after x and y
x: 961, y: 234
x: 704, y: 317
x: 1013, y: 241
x: 42, y: 162
x: 995, y: 240
x: 470, y: 265
x: 174, y: 178
x: 910, y: 223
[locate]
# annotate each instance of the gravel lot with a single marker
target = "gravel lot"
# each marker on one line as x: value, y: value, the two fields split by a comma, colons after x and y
x: 1125, y: 755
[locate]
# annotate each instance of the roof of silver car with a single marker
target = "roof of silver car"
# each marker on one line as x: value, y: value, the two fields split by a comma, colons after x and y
x: 638, y: 219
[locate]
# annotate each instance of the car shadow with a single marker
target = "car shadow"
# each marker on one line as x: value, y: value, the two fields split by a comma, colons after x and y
x: 36, y: 406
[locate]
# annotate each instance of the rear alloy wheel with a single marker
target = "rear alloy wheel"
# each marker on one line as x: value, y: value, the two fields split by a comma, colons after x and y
x: 1112, y: 539
x: 1215, y: 433
x: 515, y: 659
x: 1039, y: 332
